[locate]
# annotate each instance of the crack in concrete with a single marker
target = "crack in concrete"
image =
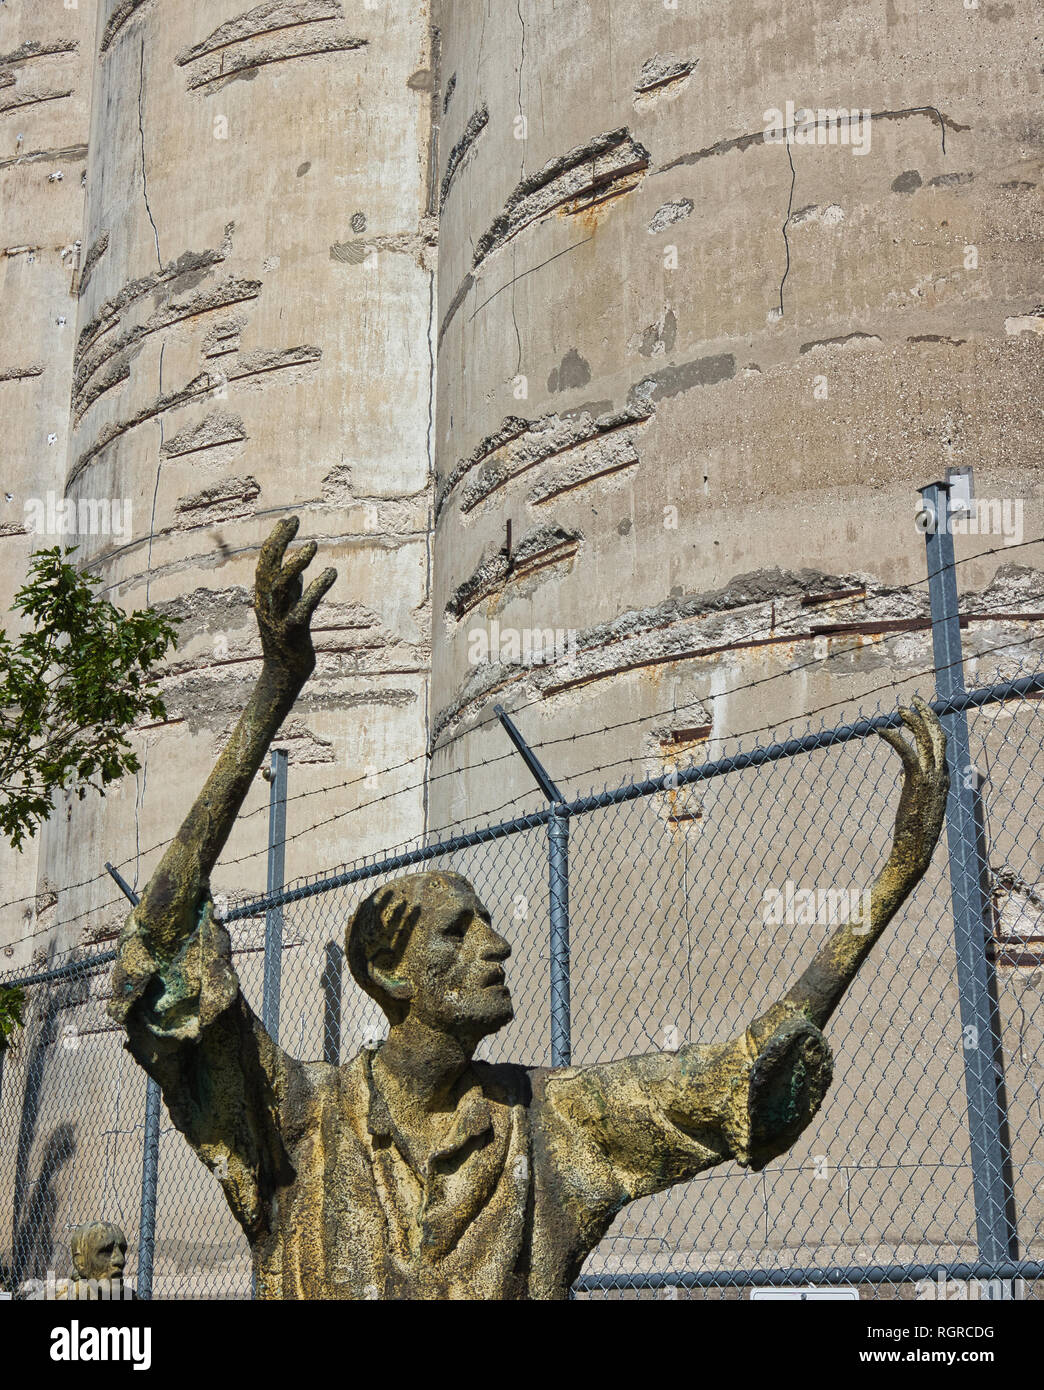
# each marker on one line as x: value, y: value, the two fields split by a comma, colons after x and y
x: 141, y: 132
x: 786, y: 223
x: 744, y: 142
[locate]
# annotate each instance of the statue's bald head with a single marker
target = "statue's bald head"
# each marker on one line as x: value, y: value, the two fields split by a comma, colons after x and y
x: 383, y: 922
x: 424, y: 943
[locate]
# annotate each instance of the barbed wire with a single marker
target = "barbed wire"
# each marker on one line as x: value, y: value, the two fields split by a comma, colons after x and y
x: 547, y: 743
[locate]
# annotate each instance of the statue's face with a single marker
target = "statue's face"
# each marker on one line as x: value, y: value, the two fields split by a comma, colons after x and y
x: 107, y: 1255
x: 454, y: 964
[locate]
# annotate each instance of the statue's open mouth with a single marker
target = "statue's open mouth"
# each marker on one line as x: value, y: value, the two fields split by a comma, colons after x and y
x: 495, y: 977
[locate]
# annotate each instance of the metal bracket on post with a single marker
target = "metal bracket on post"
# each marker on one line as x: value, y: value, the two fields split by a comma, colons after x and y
x: 983, y: 1062
x: 149, y: 1156
x: 274, y: 915
x: 558, y: 892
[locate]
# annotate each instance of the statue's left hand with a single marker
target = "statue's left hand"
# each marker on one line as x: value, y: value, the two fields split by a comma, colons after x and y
x: 284, y: 608
x: 926, y: 784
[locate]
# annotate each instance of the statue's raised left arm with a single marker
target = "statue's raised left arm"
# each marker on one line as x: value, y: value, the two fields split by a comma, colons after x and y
x: 174, y: 988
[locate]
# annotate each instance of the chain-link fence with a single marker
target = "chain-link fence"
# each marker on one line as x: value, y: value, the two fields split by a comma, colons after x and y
x: 694, y: 899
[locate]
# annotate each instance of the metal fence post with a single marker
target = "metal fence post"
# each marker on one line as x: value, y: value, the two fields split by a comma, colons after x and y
x: 558, y: 894
x: 149, y: 1155
x: 274, y: 915
x: 990, y: 1162
x: 558, y: 885
x: 331, y: 982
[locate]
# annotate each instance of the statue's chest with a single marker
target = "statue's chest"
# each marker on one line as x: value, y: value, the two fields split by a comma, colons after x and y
x: 365, y: 1218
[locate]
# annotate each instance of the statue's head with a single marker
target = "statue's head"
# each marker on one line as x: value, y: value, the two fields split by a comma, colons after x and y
x: 99, y: 1251
x: 424, y: 947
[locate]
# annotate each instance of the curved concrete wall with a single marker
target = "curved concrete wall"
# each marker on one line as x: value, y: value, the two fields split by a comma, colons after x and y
x: 253, y: 339
x: 696, y: 374
x: 46, y: 69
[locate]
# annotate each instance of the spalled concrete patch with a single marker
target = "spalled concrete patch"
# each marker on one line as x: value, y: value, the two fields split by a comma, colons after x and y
x: 545, y: 551
x: 302, y: 744
x: 421, y: 245
x: 23, y: 99
x: 830, y: 216
x: 565, y: 442
x: 846, y: 340
x: 1025, y: 323
x: 224, y: 501
x: 209, y: 610
x: 95, y: 251
x: 608, y: 166
x: 249, y: 372
x: 669, y: 213
x: 123, y: 11
x: 21, y: 373
x: 190, y: 264
x: 762, y: 607
x: 477, y: 123
x: 268, y: 33
x: 212, y: 432
x: 103, y: 351
x: 661, y: 74
x: 32, y: 48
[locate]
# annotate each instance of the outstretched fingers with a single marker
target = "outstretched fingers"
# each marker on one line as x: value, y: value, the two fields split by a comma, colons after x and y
x: 309, y: 601
x: 296, y: 565
x: 895, y: 740
x: 928, y: 757
x: 935, y: 733
x: 274, y: 548
x: 918, y: 720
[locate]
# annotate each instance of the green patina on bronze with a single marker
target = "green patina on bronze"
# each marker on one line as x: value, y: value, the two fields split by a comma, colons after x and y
x: 415, y: 1171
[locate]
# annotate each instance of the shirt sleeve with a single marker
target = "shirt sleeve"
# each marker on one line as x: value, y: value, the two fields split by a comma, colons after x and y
x: 221, y: 1075
x: 649, y: 1122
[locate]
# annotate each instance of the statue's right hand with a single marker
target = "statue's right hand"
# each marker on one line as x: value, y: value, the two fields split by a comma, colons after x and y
x: 283, y: 606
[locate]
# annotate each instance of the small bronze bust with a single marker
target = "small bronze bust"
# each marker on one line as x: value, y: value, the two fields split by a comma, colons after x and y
x: 99, y: 1256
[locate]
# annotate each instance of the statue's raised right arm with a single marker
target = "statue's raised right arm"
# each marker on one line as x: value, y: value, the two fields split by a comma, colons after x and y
x: 174, y: 989
x: 661, y: 1118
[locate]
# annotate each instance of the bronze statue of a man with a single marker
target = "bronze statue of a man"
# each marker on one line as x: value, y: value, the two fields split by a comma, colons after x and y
x: 413, y: 1171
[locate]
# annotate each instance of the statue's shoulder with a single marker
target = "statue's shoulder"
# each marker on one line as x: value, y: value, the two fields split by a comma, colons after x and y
x: 504, y: 1082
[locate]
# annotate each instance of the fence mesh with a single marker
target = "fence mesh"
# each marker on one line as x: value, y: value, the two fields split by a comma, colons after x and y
x: 693, y: 906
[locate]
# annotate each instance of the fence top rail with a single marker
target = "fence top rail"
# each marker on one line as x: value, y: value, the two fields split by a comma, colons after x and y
x: 735, y: 762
